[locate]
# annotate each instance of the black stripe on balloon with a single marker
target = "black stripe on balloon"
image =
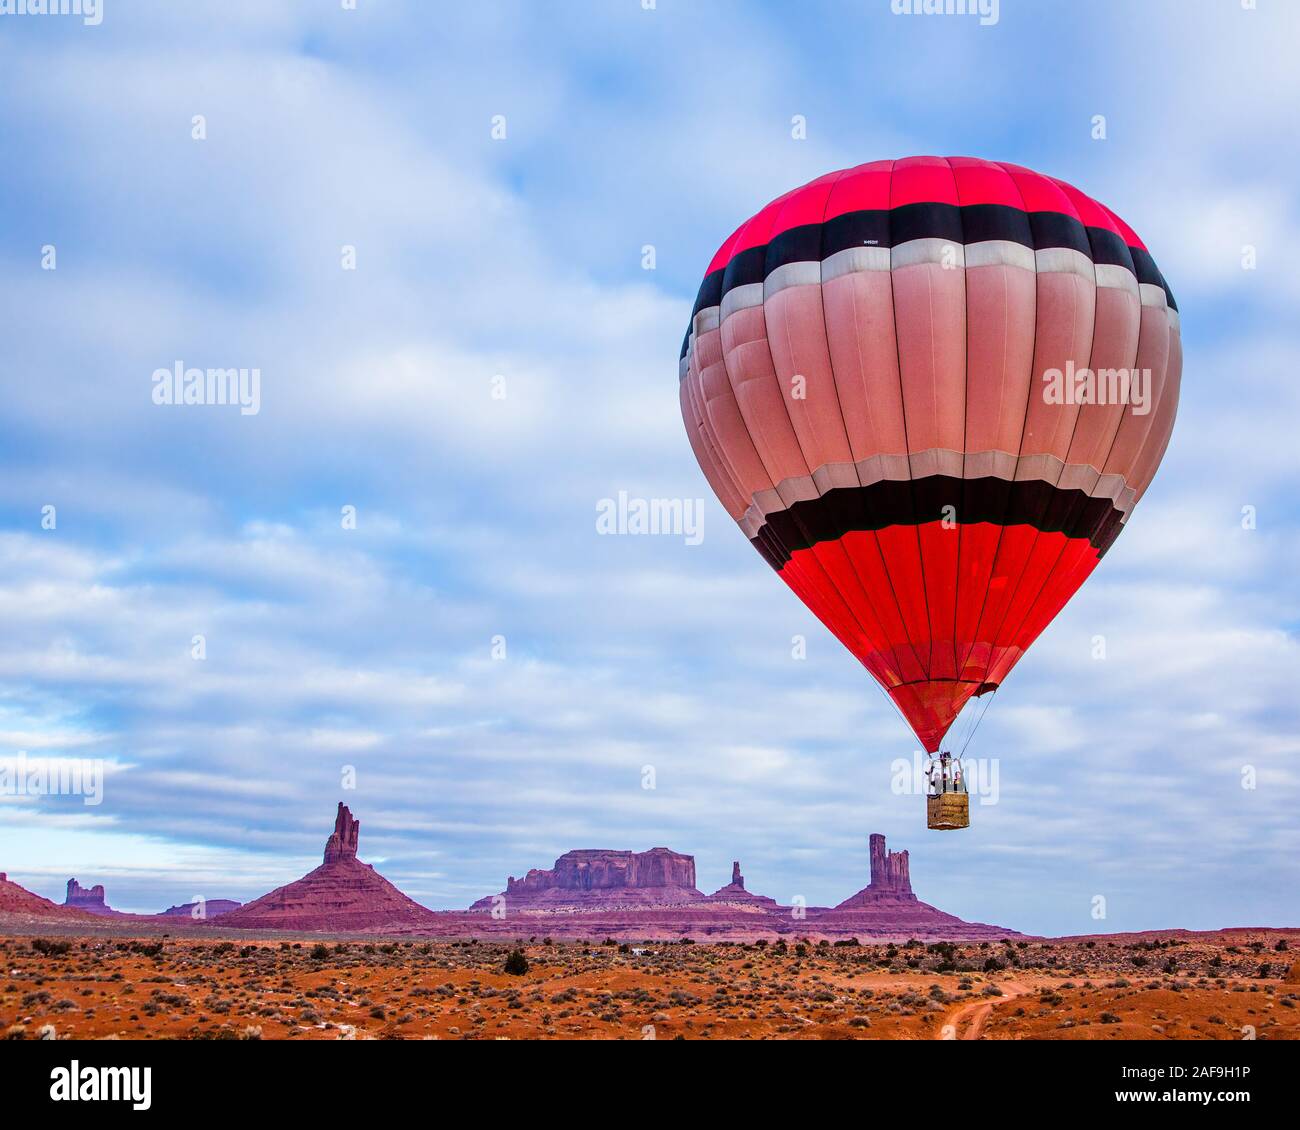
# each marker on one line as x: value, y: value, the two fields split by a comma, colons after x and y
x: 1145, y: 267
x: 1148, y: 272
x: 1052, y: 229
x: 794, y: 245
x: 965, y: 225
x: 924, y: 221
x: 983, y: 222
x: 1107, y: 538
x: 710, y: 292
x: 906, y: 502
x: 745, y: 268
x: 854, y: 229
x: 1107, y: 246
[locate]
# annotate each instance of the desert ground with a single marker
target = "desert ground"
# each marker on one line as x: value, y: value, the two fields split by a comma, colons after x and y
x: 1226, y: 985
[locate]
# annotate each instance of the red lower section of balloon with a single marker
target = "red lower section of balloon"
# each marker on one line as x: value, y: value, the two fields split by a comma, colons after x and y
x: 932, y: 634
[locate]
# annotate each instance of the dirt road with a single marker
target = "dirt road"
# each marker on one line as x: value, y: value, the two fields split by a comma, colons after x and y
x: 973, y: 1015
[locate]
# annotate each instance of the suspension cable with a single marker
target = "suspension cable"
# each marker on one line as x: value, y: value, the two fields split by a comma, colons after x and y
x: 980, y: 719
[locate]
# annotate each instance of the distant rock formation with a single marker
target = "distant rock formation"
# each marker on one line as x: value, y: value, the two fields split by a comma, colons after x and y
x: 886, y: 907
x: 586, y: 895
x: 734, y: 893
x: 342, y: 894
x: 565, y: 902
x: 599, y: 878
x: 211, y: 909
x: 891, y: 880
x: 342, y: 843
x: 89, y: 899
x: 20, y: 902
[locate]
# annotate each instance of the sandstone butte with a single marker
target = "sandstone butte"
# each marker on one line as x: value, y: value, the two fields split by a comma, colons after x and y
x: 342, y: 894
x: 21, y: 903
x: 652, y: 896
x: 596, y: 878
x: 586, y: 894
x: 734, y: 893
x: 656, y: 889
x: 89, y: 899
x: 212, y: 908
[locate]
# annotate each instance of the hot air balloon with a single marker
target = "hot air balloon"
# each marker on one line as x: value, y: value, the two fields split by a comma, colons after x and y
x: 931, y: 392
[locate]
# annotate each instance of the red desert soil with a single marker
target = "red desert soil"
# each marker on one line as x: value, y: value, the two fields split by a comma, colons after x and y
x: 68, y: 982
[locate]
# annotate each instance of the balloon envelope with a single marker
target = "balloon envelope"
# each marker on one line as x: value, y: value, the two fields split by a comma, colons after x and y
x: 931, y: 391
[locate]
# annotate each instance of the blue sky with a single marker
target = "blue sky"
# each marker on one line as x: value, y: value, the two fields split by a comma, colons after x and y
x: 522, y: 259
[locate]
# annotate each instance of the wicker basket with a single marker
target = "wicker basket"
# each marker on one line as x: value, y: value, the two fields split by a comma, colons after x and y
x: 947, y: 811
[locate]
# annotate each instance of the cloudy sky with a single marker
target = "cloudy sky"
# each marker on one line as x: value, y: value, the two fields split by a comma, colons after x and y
x: 501, y: 680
